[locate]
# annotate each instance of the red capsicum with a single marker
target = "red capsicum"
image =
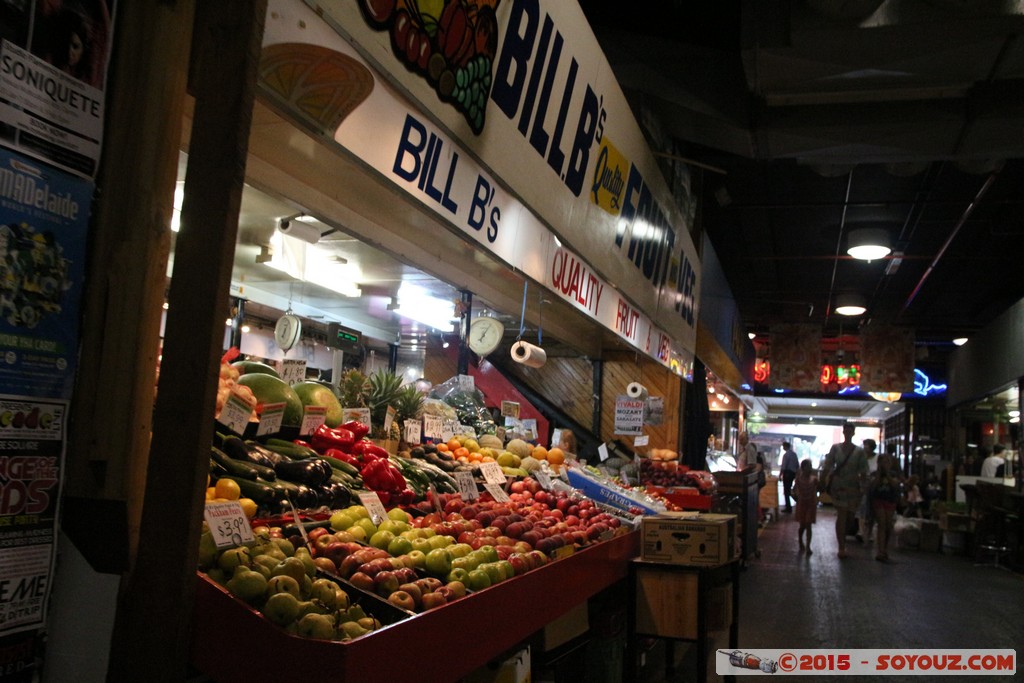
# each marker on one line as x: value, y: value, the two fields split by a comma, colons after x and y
x: 366, y: 447
x: 381, y: 475
x: 343, y: 456
x: 357, y: 428
x: 325, y: 437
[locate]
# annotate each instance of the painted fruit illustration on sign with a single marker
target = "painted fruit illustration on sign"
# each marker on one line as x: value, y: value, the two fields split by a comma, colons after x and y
x: 452, y: 43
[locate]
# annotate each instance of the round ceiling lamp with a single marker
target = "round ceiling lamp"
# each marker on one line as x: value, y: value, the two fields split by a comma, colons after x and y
x: 868, y: 244
x: 850, y: 305
x: 960, y: 341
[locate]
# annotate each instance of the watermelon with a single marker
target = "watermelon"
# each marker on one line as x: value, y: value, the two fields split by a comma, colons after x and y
x: 271, y: 389
x: 317, y: 394
x: 249, y: 366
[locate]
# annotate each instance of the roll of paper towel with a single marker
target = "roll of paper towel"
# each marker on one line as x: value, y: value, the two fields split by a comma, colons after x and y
x: 298, y: 229
x: 529, y: 355
x: 636, y: 390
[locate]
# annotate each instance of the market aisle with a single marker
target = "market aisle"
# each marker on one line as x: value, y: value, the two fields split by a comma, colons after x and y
x: 920, y: 600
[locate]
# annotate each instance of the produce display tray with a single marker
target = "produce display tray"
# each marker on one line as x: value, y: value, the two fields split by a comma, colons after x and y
x: 685, y: 497
x: 231, y: 642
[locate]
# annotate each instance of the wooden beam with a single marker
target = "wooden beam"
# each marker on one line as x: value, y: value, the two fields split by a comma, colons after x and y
x: 154, y: 613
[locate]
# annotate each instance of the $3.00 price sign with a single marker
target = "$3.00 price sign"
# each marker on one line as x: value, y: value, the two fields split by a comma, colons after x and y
x: 228, y: 524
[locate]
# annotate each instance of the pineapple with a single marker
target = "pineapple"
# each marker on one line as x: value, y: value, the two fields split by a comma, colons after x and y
x: 385, y: 387
x: 354, y: 389
x: 409, y: 405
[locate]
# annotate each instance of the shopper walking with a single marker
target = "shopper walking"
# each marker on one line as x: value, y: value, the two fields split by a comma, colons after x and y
x: 806, y: 503
x: 844, y: 474
x: 789, y: 466
x: 865, y: 513
x: 885, y: 496
x: 747, y: 454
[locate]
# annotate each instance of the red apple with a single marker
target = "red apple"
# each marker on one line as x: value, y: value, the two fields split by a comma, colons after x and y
x: 402, y: 600
x: 385, y: 583
x: 362, y: 581
x: 432, y: 600
x: 325, y: 564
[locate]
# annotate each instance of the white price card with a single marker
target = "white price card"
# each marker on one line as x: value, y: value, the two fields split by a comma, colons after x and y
x: 236, y: 413
x: 602, y: 452
x: 467, y: 485
x: 529, y: 429
x: 466, y: 383
x: 228, y: 524
x: 448, y: 429
x: 389, y: 417
x: 544, y: 479
x: 292, y: 370
x: 312, y: 418
x: 373, y: 505
x: 358, y: 414
x: 270, y: 418
x: 492, y: 473
x: 497, y: 492
x: 510, y: 409
x: 466, y: 430
x: 413, y: 431
x: 642, y: 440
x: 433, y: 426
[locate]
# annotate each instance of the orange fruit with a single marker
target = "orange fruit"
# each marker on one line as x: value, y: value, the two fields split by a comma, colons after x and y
x: 487, y: 458
x: 454, y: 444
x: 227, y: 488
x: 443, y: 447
x: 556, y: 456
x: 461, y: 452
x: 540, y: 453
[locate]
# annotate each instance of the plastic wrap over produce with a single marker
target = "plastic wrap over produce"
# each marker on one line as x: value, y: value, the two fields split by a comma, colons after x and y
x: 605, y: 491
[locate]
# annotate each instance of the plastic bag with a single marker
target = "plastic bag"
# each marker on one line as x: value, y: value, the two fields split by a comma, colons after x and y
x: 469, y: 405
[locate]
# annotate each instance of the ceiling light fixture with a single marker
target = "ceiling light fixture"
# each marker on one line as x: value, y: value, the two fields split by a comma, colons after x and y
x: 885, y: 396
x: 751, y: 335
x: 850, y: 304
x: 868, y: 244
x: 960, y: 341
x: 416, y: 304
x: 307, y: 262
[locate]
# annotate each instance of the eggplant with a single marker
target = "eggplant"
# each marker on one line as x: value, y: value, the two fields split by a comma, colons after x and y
x: 240, y: 450
x: 309, y: 472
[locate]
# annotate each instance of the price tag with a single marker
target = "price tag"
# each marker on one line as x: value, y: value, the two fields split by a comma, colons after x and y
x: 467, y: 485
x: 236, y: 413
x: 292, y: 370
x: 544, y: 479
x: 301, y: 527
x: 448, y: 428
x: 602, y: 452
x: 413, y: 431
x: 466, y: 430
x: 529, y: 429
x: 312, y: 418
x: 492, y: 473
x: 642, y: 440
x: 270, y: 418
x: 388, y: 419
x: 624, y: 476
x: 433, y: 426
x: 373, y: 505
x: 357, y: 414
x: 228, y: 524
x: 510, y: 409
x: 563, y: 552
x: 466, y: 383
x: 499, y: 493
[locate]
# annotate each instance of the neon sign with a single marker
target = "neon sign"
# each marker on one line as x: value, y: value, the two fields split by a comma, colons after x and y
x: 923, y: 384
x: 845, y: 379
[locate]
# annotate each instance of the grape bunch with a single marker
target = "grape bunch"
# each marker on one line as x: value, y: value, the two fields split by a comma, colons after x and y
x: 472, y: 85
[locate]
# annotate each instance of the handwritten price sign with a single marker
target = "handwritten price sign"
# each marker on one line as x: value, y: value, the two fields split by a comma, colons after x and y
x: 228, y: 524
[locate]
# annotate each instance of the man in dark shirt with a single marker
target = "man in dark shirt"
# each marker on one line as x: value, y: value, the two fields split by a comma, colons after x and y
x: 790, y: 465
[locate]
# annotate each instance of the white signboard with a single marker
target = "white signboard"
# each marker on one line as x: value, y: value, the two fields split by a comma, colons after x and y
x: 629, y: 416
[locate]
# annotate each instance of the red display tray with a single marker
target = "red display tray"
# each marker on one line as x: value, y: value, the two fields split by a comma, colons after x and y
x: 231, y: 642
x: 686, y: 498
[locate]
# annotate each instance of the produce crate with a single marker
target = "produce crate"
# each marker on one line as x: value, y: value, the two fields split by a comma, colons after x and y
x: 686, y: 497
x: 232, y: 642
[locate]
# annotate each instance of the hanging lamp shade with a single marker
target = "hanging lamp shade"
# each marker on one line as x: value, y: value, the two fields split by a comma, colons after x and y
x: 868, y: 244
x: 850, y: 304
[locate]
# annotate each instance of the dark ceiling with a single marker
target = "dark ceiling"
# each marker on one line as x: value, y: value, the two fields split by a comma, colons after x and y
x: 807, y: 119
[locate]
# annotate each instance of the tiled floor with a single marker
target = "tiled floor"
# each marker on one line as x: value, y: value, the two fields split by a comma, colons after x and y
x: 921, y: 600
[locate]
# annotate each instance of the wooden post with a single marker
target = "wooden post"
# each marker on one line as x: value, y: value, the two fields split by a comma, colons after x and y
x: 152, y: 622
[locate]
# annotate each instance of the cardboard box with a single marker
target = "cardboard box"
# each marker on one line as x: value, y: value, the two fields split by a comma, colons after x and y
x: 666, y: 603
x: 572, y: 624
x: 515, y: 669
x: 703, y: 539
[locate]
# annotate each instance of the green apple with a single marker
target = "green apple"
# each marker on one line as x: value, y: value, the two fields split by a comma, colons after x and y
x: 422, y: 544
x: 382, y: 539
x: 460, y: 574
x: 357, y: 512
x: 478, y: 580
x: 489, y: 553
x: 341, y: 520
x: 367, y: 524
x: 357, y: 533
x: 399, y: 515
x: 390, y: 525
x: 399, y: 546
x: 281, y: 608
x: 439, y: 562
x: 440, y: 541
x: 460, y: 549
x: 418, y: 557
